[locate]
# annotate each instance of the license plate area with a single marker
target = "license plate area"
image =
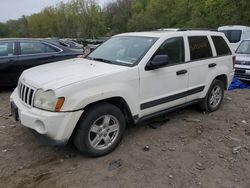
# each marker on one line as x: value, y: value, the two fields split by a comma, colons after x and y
x: 14, y: 111
x: 240, y: 71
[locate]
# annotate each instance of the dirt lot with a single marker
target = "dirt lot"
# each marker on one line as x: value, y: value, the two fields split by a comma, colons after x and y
x: 192, y: 149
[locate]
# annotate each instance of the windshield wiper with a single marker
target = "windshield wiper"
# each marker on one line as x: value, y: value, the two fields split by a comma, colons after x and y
x: 101, y: 59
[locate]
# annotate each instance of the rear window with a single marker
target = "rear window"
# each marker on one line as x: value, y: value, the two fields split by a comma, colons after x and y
x: 233, y: 36
x: 221, y: 46
x: 199, y: 47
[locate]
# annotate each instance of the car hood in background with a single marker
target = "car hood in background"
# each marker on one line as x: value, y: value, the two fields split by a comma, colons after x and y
x: 63, y: 73
x: 243, y: 57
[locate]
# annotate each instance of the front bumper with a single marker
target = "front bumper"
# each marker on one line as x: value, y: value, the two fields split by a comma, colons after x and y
x: 242, y: 72
x: 57, y: 126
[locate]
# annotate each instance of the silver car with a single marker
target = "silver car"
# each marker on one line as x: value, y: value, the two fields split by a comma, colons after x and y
x: 242, y: 67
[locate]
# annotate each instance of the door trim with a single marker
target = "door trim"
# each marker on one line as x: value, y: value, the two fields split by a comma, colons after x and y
x: 138, y: 120
x: 171, y: 98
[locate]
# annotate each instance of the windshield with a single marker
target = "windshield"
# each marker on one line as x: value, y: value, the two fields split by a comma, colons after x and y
x: 244, y: 47
x: 233, y: 36
x: 123, y: 50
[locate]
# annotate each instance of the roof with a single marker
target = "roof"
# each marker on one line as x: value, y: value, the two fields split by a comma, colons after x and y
x: 233, y: 27
x: 24, y: 39
x: 162, y: 33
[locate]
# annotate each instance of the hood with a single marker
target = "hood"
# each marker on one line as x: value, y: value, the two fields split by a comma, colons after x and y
x: 63, y: 73
x: 242, y: 57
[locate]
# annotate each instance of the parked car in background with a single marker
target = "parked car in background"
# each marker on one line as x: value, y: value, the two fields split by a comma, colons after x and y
x: 16, y: 55
x: 130, y: 78
x: 67, y: 43
x: 235, y: 34
x: 242, y: 67
x: 94, y: 43
x: 72, y: 44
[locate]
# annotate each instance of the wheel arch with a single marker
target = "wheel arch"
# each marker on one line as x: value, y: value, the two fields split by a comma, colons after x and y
x: 223, y: 79
x: 116, y: 101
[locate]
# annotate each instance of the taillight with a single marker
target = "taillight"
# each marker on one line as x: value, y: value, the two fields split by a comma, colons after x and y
x: 234, y: 61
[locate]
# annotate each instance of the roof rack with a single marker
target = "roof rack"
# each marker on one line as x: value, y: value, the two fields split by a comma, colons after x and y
x: 186, y: 29
x: 197, y: 29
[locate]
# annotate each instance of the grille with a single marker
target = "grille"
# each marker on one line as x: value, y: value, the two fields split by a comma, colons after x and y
x: 26, y: 93
x: 243, y: 62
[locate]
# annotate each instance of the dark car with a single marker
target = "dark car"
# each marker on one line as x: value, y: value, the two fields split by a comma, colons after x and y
x: 92, y: 44
x: 69, y: 43
x: 16, y: 55
x: 72, y: 44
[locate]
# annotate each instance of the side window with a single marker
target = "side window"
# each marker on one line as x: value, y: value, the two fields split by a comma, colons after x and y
x: 35, y: 48
x: 199, y: 47
x: 221, y: 46
x: 174, y: 48
x: 6, y: 49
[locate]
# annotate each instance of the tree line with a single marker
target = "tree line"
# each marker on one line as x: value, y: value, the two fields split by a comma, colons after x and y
x: 86, y: 19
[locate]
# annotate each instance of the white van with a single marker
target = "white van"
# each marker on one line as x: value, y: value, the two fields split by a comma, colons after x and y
x: 235, y: 34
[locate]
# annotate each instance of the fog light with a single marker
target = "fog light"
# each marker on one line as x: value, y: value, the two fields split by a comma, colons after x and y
x: 40, y: 127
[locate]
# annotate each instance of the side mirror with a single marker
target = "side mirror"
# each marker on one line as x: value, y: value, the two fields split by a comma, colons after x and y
x: 158, y: 61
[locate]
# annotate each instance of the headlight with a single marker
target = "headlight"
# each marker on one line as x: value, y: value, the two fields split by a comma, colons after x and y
x: 47, y: 100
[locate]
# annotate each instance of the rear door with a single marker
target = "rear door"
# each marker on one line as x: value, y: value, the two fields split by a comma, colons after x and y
x: 201, y: 62
x: 33, y: 53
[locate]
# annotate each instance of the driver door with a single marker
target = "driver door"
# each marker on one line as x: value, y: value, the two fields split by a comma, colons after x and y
x: 167, y: 86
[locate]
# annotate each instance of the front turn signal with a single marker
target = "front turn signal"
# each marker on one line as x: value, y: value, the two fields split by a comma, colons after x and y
x: 59, y: 104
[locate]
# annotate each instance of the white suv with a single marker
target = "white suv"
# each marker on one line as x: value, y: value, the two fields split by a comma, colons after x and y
x: 128, y: 79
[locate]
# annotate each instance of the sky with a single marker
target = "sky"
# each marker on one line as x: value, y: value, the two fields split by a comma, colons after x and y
x: 13, y: 9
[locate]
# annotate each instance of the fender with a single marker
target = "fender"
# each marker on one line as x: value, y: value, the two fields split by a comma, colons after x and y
x: 123, y: 84
x: 219, y: 71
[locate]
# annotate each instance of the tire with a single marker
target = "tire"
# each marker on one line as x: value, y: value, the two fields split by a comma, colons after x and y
x: 94, y: 136
x: 207, y: 104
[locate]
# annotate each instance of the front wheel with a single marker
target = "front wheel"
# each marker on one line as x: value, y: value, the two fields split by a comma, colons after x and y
x: 214, y: 97
x: 100, y: 130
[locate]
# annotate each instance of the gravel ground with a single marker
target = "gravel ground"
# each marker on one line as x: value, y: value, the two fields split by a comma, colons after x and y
x: 184, y: 149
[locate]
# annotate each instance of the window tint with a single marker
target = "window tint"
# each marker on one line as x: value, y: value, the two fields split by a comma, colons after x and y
x: 36, y: 48
x: 233, y: 36
x: 221, y: 46
x: 6, y: 49
x: 199, y: 47
x: 174, y: 48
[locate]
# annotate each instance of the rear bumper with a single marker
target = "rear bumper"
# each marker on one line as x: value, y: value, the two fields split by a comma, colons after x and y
x: 57, y: 126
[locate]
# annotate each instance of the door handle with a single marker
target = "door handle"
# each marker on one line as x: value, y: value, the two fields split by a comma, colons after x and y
x: 181, y: 72
x: 212, y: 65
